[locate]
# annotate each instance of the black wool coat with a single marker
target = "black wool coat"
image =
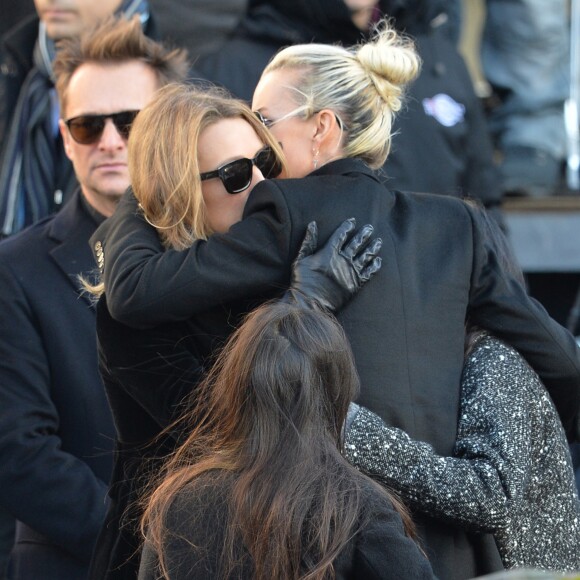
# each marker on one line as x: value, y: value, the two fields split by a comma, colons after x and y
x: 56, y: 431
x: 406, y: 326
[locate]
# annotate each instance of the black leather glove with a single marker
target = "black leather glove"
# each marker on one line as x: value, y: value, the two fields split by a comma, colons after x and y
x: 331, y: 276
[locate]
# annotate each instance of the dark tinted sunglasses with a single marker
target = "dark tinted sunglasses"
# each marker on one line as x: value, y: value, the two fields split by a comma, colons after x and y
x: 87, y: 129
x: 237, y: 175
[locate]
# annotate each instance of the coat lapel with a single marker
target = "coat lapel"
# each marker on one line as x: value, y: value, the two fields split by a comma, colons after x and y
x: 70, y: 231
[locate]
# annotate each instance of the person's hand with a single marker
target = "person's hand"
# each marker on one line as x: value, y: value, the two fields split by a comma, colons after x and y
x: 331, y: 276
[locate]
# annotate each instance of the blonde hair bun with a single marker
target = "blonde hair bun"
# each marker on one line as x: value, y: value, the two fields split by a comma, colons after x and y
x: 391, y: 62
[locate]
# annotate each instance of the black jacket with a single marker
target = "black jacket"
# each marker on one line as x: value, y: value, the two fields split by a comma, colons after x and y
x: 16, y: 50
x: 148, y: 376
x: 441, y: 142
x: 198, y: 517
x: 56, y: 430
x: 406, y: 326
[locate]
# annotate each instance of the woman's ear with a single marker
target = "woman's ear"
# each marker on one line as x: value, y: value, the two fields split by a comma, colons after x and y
x: 328, y: 134
x: 326, y: 125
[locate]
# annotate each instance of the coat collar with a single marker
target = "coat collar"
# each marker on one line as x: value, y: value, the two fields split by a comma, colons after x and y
x: 345, y: 166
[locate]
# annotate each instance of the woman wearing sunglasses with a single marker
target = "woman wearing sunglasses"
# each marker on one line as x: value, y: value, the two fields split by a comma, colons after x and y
x: 195, y: 157
x: 331, y: 108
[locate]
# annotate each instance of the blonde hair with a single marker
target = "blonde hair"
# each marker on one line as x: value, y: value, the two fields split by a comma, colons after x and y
x: 363, y: 85
x: 163, y: 161
x: 116, y: 40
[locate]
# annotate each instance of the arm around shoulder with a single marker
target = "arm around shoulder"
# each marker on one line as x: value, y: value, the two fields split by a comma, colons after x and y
x: 148, y: 285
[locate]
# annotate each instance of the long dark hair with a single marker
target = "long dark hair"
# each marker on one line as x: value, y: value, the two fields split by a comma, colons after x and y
x: 270, y: 413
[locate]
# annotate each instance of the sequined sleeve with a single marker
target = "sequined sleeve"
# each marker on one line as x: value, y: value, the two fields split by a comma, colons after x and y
x: 477, y: 486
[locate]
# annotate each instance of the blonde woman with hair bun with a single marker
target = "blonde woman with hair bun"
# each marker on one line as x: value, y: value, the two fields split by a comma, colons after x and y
x: 331, y: 110
x: 363, y: 86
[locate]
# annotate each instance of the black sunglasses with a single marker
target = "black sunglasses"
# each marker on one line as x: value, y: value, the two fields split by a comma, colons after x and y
x: 87, y: 129
x: 237, y: 175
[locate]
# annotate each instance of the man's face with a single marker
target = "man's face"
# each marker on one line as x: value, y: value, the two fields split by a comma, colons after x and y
x: 96, y: 89
x: 67, y: 18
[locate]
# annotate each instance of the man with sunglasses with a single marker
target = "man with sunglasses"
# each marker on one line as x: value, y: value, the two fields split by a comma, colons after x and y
x: 56, y: 432
x: 36, y: 177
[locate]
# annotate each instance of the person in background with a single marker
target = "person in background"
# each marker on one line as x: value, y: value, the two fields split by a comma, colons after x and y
x: 199, y: 26
x: 56, y: 431
x: 36, y: 176
x: 442, y: 143
x: 525, y: 56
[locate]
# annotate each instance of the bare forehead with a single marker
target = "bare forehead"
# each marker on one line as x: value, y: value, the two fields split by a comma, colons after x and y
x: 276, y: 89
x: 235, y: 132
x: 225, y: 140
x: 104, y: 88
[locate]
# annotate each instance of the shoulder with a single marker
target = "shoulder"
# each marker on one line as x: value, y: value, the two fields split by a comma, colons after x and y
x: 198, y: 503
x: 196, y: 525
x: 28, y: 242
x: 431, y: 202
x: 378, y: 515
x: 382, y: 549
x: 48, y: 231
x: 496, y: 372
x: 489, y: 349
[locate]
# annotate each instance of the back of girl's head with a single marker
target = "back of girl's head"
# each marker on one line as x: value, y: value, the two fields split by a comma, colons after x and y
x: 363, y: 85
x: 163, y: 164
x: 286, y: 372
x: 267, y: 424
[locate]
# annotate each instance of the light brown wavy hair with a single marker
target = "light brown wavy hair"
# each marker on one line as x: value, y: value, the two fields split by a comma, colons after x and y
x: 163, y: 160
x: 266, y: 425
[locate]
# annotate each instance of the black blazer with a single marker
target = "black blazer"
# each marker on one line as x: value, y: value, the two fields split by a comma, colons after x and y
x: 406, y: 326
x: 56, y: 431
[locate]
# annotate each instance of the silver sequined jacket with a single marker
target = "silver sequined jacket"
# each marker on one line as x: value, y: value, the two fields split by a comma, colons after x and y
x: 510, y: 473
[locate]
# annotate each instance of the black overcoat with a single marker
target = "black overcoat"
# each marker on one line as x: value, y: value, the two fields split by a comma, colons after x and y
x: 56, y: 432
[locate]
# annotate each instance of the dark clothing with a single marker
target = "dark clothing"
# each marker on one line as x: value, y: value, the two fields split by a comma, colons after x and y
x: 198, y: 517
x: 273, y: 24
x: 269, y: 26
x: 441, y: 142
x: 145, y: 396
x: 201, y: 26
x: 17, y: 53
x: 56, y: 430
x: 438, y: 268
x: 13, y: 11
x: 17, y: 48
